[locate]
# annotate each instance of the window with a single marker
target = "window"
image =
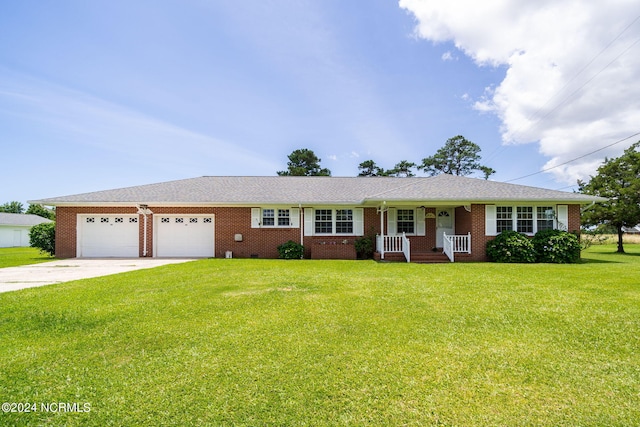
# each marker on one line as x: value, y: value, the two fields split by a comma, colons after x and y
x: 90, y: 220
x: 283, y: 218
x: 324, y: 221
x: 405, y: 221
x: 545, y: 218
x: 268, y: 217
x: 133, y: 220
x: 525, y: 219
x: 344, y: 221
x: 333, y: 222
x: 207, y: 220
x: 504, y: 218
x: 193, y: 220
x: 119, y: 220
x: 104, y: 220
x: 164, y: 220
x: 179, y: 220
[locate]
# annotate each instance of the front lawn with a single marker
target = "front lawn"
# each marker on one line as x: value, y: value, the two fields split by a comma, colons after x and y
x: 274, y: 342
x: 13, y: 257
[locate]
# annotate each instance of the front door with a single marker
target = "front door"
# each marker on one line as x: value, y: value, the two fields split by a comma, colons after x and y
x: 445, y: 223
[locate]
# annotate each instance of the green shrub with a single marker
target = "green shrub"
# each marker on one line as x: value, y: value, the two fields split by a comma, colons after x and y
x: 365, y: 247
x: 556, y: 246
x: 511, y: 246
x: 291, y: 250
x: 43, y: 237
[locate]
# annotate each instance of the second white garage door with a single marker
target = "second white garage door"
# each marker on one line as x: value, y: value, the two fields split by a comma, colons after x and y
x: 184, y: 235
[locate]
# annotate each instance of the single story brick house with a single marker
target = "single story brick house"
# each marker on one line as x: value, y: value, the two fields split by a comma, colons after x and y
x: 249, y: 216
x: 14, y: 228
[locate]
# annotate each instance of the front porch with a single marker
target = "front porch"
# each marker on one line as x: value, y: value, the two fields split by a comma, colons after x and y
x: 424, y: 233
x: 398, y: 248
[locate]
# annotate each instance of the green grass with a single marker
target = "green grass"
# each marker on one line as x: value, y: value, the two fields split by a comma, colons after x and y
x: 13, y: 257
x: 272, y: 342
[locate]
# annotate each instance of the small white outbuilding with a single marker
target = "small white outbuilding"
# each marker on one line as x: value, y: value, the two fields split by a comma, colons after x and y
x: 14, y: 228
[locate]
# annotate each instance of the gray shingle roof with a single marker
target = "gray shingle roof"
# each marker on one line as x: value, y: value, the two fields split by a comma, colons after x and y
x: 21, y: 219
x: 254, y: 190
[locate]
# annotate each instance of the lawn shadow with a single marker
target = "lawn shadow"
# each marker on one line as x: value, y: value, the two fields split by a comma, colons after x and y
x: 598, y: 261
x: 613, y: 257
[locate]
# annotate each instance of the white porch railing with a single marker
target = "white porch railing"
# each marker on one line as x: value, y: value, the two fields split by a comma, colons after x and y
x: 406, y: 247
x: 456, y: 244
x: 394, y: 244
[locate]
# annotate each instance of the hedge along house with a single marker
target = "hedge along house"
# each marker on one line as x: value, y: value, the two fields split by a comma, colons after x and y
x: 251, y: 216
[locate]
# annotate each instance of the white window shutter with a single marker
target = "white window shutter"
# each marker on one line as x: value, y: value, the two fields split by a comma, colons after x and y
x: 420, y: 225
x: 294, y: 218
x: 358, y: 221
x: 490, y: 220
x: 392, y: 221
x: 255, y: 217
x: 308, y: 222
x: 563, y: 218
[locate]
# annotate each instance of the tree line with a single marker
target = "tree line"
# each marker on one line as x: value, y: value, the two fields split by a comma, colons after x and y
x: 458, y: 156
x: 18, y: 208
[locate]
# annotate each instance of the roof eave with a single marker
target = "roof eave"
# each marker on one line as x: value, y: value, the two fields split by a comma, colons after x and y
x: 488, y: 201
x: 195, y: 204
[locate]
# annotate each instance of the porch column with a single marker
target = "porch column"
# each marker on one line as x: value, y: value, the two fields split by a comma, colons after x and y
x: 380, y: 239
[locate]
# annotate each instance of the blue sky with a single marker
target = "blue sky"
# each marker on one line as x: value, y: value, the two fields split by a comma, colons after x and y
x: 106, y: 94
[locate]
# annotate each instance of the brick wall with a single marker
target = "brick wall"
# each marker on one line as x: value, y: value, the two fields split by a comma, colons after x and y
x: 263, y: 242
x: 331, y: 247
x: 479, y: 238
x: 574, y: 219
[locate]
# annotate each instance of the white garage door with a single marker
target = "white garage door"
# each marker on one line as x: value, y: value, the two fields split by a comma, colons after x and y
x: 108, y: 236
x: 184, y: 235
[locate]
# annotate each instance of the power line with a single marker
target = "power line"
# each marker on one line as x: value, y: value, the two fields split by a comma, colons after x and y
x: 575, y: 76
x: 577, y: 158
x: 588, y: 81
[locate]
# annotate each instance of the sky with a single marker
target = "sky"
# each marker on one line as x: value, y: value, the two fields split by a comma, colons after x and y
x: 108, y: 94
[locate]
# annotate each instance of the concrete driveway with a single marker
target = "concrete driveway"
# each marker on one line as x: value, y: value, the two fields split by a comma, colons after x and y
x: 48, y: 273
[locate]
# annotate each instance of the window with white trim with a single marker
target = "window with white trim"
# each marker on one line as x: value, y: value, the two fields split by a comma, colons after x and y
x: 545, y: 217
x: 284, y: 218
x: 333, y: 221
x: 268, y: 217
x: 405, y: 221
x: 525, y: 219
x: 344, y: 221
x: 504, y: 218
x: 324, y: 221
x: 276, y: 217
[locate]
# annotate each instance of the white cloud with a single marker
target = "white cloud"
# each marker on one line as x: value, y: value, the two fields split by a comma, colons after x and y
x: 448, y: 56
x: 571, y: 82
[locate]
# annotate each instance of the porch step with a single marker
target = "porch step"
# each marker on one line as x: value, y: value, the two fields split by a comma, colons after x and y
x: 429, y: 257
x: 390, y: 257
x: 417, y: 257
